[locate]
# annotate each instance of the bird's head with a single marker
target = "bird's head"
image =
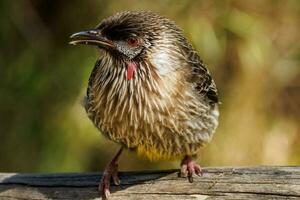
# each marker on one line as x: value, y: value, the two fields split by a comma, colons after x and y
x: 133, y: 37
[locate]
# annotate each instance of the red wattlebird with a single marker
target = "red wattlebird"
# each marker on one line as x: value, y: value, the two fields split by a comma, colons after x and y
x: 149, y: 91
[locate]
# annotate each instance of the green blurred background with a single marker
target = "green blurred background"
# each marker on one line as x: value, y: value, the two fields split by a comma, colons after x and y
x: 251, y: 47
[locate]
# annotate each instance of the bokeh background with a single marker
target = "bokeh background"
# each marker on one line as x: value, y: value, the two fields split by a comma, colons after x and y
x: 251, y: 47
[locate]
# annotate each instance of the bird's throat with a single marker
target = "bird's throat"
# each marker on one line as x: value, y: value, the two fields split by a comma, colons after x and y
x: 131, y: 67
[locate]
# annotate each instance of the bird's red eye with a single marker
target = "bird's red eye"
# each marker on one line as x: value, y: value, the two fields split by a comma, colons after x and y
x: 133, y: 42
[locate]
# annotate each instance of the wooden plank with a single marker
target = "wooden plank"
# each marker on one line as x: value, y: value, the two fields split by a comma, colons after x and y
x: 216, y: 183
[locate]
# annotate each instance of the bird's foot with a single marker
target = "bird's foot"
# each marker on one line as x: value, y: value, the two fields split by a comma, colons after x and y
x: 189, y: 168
x: 110, y: 172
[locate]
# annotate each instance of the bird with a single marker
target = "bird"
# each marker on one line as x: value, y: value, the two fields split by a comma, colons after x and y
x: 149, y: 91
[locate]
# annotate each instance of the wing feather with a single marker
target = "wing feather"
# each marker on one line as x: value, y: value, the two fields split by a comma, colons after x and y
x: 201, y: 78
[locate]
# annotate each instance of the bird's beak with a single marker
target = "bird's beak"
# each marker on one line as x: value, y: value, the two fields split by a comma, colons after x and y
x: 91, y: 37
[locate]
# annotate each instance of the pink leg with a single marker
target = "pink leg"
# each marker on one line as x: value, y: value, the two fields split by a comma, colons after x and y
x: 189, y: 168
x: 111, y: 171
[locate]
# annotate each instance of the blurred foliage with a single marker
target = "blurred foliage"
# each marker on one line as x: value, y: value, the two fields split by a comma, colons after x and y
x: 251, y: 47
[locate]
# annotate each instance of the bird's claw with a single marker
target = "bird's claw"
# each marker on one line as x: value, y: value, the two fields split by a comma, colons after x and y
x: 111, y: 172
x: 189, y: 168
x: 104, y: 190
x: 116, y: 179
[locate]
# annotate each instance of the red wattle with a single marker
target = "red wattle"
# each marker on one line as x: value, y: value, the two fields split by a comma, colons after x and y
x: 130, y: 70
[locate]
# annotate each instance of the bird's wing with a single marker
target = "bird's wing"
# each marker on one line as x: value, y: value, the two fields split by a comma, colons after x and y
x: 201, y: 78
x: 205, y: 85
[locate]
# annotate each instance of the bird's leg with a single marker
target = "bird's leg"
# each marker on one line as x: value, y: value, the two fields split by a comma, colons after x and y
x: 111, y: 171
x: 189, y: 168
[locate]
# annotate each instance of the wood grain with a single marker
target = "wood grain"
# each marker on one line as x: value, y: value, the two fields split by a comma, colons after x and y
x: 216, y: 183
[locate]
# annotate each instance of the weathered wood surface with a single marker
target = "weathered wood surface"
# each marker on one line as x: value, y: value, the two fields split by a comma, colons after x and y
x: 216, y: 183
